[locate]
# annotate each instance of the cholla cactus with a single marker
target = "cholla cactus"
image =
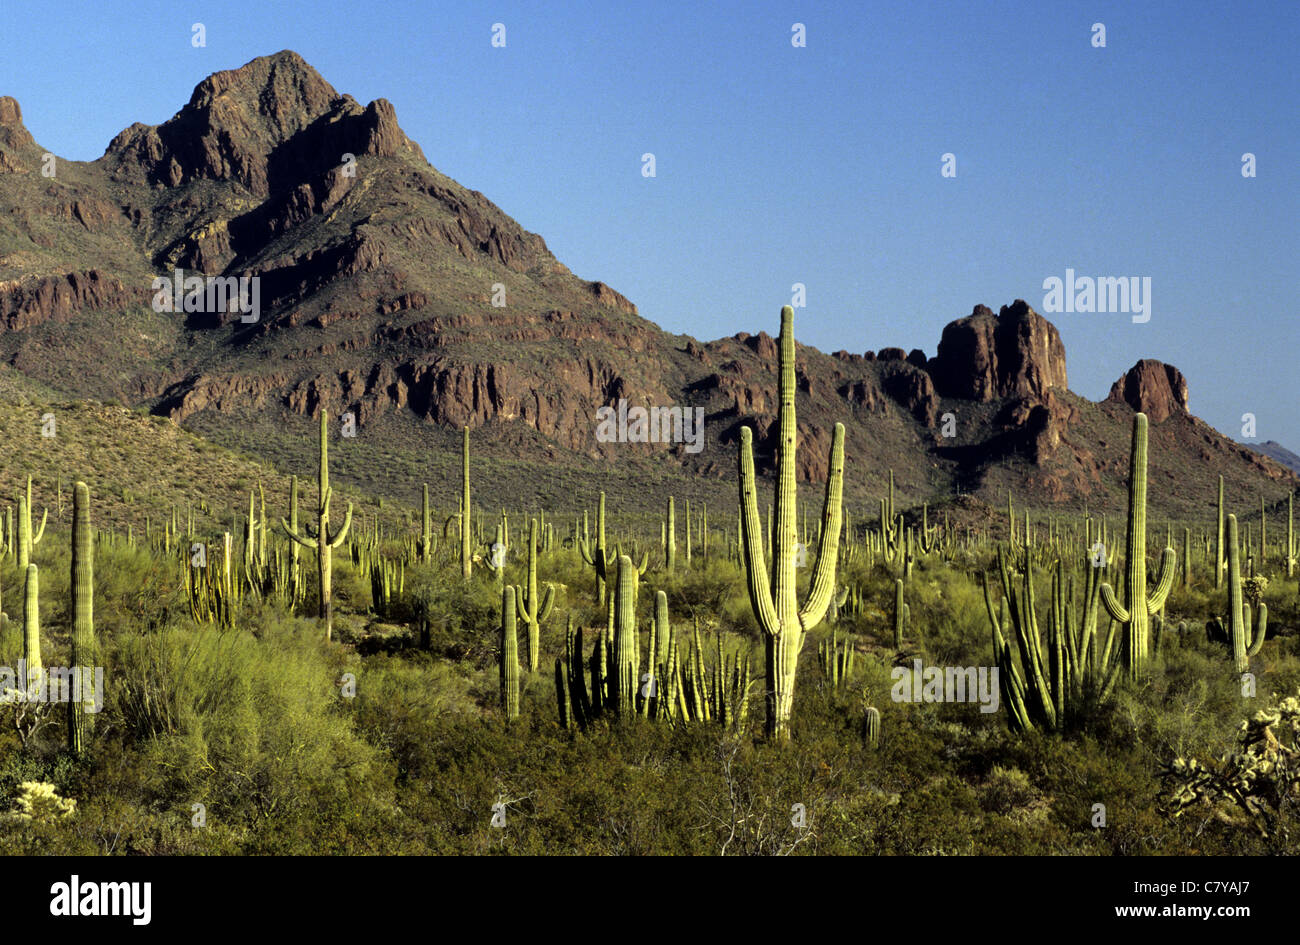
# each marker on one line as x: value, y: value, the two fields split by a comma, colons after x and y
x: 1249, y: 787
x: 37, y: 802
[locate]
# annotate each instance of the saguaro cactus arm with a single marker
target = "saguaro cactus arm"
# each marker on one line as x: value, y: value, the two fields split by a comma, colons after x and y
x: 300, y: 539
x: 760, y: 588
x: 823, y: 581
x: 343, y: 529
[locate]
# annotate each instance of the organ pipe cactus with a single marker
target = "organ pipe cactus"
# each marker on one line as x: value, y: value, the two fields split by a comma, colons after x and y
x: 323, y: 542
x: 509, y: 665
x: 579, y: 699
x: 837, y: 660
x: 562, y: 697
x: 82, y: 583
x: 534, y: 608
x: 1047, y: 684
x: 1135, y: 613
x: 773, y: 598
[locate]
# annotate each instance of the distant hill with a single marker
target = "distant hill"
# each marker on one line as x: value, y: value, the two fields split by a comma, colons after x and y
x: 1279, y: 453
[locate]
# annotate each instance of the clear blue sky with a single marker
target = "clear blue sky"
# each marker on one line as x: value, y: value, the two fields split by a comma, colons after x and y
x: 818, y: 165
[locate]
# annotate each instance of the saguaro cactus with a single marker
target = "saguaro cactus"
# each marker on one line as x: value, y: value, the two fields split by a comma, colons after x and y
x: 871, y: 726
x: 1245, y: 639
x: 323, y: 542
x: 466, y: 561
x: 597, y: 556
x: 80, y: 722
x: 1290, y: 536
x: 627, y: 649
x: 774, y: 599
x: 32, y: 629
x: 1136, y: 616
x: 295, y: 551
x: 1218, y: 545
x: 534, y: 608
x: 426, y: 528
x: 670, y: 538
x: 27, y: 539
x: 901, y: 614
x: 509, y: 654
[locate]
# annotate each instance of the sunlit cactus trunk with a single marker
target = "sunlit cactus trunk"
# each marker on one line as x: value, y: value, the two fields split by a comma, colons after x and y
x: 465, y: 556
x: 1136, y: 615
x: 509, y: 654
x: 533, y: 607
x: 32, y: 630
x: 627, y: 649
x: 1220, y: 563
x: 426, y: 528
x: 773, y: 598
x: 323, y: 542
x: 81, y: 722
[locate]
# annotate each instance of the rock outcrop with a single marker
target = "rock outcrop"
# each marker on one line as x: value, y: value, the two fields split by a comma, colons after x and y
x: 984, y: 357
x: 1152, y: 387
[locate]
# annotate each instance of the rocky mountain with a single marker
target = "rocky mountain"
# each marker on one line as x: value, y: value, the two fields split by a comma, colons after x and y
x: 388, y: 290
x: 1280, y: 454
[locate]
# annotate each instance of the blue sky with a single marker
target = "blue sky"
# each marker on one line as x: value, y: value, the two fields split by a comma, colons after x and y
x: 819, y: 165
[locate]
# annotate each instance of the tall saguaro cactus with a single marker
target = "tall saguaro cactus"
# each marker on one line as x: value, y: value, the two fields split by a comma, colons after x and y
x: 27, y: 539
x: 1246, y: 639
x: 32, y: 629
x: 1136, y: 616
x: 465, y: 557
x: 627, y: 648
x: 1220, y: 563
x: 670, y: 538
x: 80, y: 722
x: 774, y: 599
x: 323, y: 542
x: 597, y: 556
x: 533, y: 607
x: 509, y: 654
x: 426, y: 528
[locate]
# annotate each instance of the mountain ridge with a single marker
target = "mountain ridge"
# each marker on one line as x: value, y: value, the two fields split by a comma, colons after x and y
x: 379, y: 277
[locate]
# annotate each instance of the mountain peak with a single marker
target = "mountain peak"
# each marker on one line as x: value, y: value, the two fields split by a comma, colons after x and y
x: 1153, y: 388
x: 985, y: 356
x: 12, y: 132
x: 269, y: 126
x: 11, y: 112
x: 282, y: 89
